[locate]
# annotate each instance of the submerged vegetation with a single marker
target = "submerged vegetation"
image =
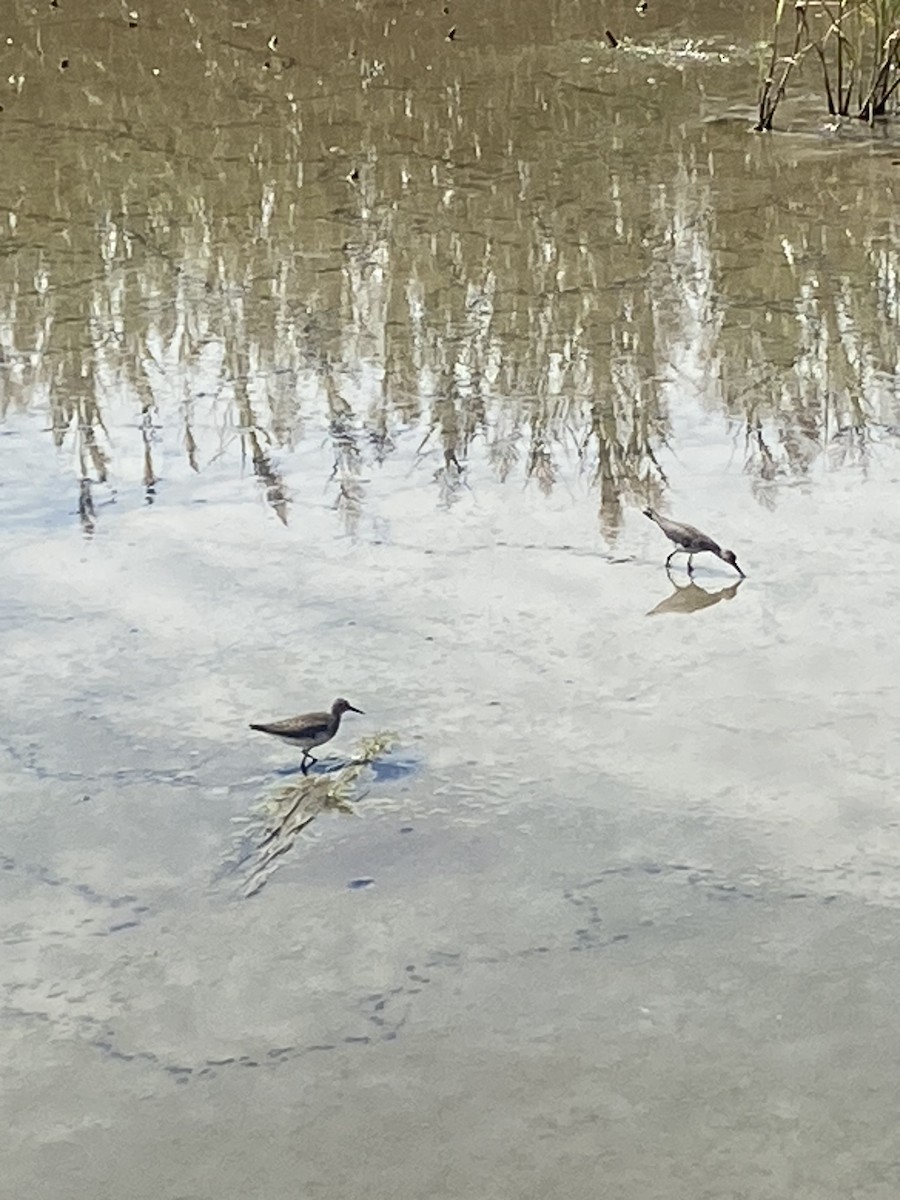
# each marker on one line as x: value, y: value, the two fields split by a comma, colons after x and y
x: 856, y: 44
x: 276, y: 823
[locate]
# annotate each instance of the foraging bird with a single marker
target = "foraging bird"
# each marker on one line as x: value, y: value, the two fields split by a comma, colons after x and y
x: 691, y: 541
x: 309, y: 729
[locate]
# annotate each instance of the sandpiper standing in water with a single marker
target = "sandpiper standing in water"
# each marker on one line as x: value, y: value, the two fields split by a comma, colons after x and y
x: 309, y: 729
x: 691, y: 541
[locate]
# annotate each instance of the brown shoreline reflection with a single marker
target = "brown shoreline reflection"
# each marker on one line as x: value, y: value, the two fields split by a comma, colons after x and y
x: 411, y: 241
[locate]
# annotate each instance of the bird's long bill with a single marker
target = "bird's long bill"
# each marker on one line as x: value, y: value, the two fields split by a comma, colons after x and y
x: 739, y: 571
x: 362, y: 714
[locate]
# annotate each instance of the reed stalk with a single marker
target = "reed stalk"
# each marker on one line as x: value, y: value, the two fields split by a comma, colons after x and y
x: 858, y: 49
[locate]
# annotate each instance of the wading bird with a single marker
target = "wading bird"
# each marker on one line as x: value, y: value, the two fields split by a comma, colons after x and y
x: 309, y: 729
x: 691, y: 541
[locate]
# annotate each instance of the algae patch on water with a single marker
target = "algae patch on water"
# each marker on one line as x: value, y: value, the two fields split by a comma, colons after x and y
x: 273, y: 825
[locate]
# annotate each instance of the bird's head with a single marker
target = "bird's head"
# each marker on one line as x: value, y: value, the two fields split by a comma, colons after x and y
x: 729, y: 557
x: 341, y: 706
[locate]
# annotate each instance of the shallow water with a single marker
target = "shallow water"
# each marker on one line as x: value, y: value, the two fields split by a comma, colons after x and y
x: 372, y: 345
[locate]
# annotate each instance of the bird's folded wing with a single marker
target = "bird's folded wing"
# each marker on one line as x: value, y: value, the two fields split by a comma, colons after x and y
x: 310, y: 726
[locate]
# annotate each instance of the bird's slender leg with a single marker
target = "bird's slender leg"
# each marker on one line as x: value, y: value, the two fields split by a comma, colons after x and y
x: 304, y: 765
x: 690, y: 568
x: 671, y: 556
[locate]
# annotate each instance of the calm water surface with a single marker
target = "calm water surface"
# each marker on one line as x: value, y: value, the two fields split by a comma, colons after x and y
x: 371, y: 344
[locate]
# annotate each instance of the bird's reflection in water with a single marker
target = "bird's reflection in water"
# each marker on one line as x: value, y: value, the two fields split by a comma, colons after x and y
x: 690, y: 597
x: 276, y: 822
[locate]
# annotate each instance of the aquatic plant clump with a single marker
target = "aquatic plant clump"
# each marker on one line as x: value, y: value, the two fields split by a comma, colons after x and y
x: 276, y: 822
x: 857, y: 46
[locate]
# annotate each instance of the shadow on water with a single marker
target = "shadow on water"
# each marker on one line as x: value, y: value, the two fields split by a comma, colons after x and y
x: 690, y: 597
x: 276, y: 822
x: 382, y: 769
x: 392, y: 769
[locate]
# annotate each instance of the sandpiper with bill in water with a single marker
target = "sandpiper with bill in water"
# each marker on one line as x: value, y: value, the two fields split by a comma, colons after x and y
x: 690, y: 541
x: 309, y: 729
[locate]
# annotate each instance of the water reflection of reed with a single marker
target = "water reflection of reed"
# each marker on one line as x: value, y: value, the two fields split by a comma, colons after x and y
x: 366, y: 258
x: 86, y: 510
